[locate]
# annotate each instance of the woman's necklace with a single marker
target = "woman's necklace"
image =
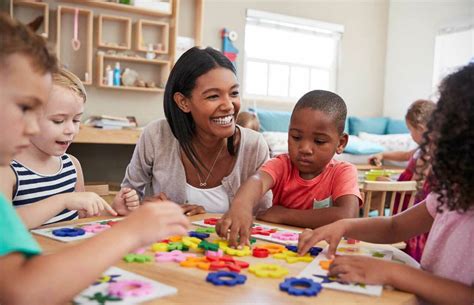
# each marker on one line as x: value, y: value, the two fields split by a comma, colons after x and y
x: 204, y: 183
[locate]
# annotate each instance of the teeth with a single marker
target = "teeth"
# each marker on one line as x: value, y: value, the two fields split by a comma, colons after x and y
x: 223, y: 121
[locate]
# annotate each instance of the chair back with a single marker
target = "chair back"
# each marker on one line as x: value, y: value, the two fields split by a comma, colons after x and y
x: 388, y: 189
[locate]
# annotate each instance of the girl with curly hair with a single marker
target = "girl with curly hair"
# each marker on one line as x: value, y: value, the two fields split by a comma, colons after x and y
x: 447, y: 264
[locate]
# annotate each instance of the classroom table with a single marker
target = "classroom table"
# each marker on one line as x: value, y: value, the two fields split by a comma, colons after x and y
x: 193, y: 289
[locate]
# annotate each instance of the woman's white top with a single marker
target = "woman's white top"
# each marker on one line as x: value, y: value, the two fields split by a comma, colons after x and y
x: 214, y: 200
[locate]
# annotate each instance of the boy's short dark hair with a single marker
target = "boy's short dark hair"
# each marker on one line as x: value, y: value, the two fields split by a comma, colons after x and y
x: 327, y: 102
x: 17, y: 38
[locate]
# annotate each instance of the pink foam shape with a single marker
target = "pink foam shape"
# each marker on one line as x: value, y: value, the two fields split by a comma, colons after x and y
x: 95, y: 228
x: 128, y: 288
x: 218, y: 253
x: 140, y: 251
x: 285, y: 235
x: 173, y: 256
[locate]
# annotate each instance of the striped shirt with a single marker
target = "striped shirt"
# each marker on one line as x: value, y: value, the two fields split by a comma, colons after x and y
x: 32, y: 186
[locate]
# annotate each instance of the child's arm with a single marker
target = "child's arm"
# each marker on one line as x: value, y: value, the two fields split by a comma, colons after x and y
x: 391, y: 156
x: 382, y: 230
x: 344, y: 207
x: 76, y: 267
x: 35, y: 214
x: 239, y: 217
x: 358, y: 269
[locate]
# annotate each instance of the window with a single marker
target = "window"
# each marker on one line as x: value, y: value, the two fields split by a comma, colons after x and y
x: 285, y: 56
x: 454, y: 48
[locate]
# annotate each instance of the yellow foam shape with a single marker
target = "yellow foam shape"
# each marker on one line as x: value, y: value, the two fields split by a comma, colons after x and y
x: 245, y: 251
x: 191, y: 242
x: 268, y: 270
x: 292, y: 257
x: 298, y: 259
x: 159, y: 247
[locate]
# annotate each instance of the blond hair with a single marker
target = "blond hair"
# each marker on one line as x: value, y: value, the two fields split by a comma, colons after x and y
x: 419, y: 112
x: 248, y: 120
x: 68, y: 80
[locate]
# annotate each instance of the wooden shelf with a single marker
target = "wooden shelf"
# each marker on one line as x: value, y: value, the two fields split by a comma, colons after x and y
x: 137, y: 59
x: 79, y: 62
x: 91, y: 135
x: 161, y: 39
x: 123, y: 7
x: 128, y: 88
x: 125, y: 31
x: 29, y: 8
x: 163, y: 72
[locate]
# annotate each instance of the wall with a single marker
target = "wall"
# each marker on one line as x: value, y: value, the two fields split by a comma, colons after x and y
x: 412, y: 27
x: 361, y: 73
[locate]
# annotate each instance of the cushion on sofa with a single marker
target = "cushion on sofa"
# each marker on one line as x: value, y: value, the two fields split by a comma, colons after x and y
x: 391, y: 142
x: 277, y: 141
x: 370, y: 125
x: 273, y: 120
x: 358, y: 146
x: 396, y: 127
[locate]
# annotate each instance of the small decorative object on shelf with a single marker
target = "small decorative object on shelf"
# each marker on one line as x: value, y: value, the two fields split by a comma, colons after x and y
x: 129, y: 77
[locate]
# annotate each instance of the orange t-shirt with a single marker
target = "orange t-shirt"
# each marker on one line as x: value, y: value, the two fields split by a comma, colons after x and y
x: 290, y: 190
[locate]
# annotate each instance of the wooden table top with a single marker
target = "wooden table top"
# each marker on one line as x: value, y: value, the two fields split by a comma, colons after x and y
x: 193, y: 289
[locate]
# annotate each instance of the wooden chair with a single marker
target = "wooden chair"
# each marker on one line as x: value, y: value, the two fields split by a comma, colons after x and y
x: 387, y: 190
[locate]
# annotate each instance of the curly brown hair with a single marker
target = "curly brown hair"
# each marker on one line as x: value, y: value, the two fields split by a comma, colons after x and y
x: 449, y: 142
x: 17, y: 38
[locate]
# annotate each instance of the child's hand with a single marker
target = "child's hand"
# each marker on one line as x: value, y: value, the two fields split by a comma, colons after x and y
x: 331, y: 233
x: 192, y: 209
x: 88, y: 204
x: 126, y: 201
x: 234, y: 224
x: 155, y: 221
x: 360, y: 269
x: 376, y: 160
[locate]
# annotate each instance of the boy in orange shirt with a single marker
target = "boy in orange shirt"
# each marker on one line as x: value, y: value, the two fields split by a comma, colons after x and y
x: 310, y: 188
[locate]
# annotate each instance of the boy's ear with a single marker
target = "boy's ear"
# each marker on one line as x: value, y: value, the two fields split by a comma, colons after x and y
x: 343, y: 140
x: 181, y: 101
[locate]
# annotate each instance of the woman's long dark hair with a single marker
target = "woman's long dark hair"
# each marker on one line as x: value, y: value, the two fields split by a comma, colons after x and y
x: 191, y: 65
x: 449, y: 142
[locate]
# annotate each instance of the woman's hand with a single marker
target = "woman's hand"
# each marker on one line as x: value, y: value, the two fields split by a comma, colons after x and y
x: 192, y: 209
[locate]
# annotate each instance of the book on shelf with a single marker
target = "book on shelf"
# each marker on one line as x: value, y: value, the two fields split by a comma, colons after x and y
x: 111, y: 122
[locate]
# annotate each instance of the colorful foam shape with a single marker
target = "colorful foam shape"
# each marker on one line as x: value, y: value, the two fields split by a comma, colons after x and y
x: 198, y: 234
x: 69, y: 232
x: 268, y: 270
x: 285, y: 236
x: 173, y: 256
x: 129, y: 288
x: 95, y: 228
x: 225, y: 278
x: 300, y: 286
x: 137, y: 258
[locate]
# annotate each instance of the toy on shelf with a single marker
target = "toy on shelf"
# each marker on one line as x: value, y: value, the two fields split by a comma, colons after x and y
x: 228, y: 48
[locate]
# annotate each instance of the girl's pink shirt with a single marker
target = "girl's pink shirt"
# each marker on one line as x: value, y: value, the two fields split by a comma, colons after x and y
x: 449, y: 250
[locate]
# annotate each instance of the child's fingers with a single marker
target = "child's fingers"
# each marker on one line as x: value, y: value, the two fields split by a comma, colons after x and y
x: 304, y: 241
x: 109, y: 209
x: 333, y: 243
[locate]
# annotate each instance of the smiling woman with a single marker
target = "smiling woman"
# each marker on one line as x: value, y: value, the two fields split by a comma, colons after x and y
x: 197, y: 157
